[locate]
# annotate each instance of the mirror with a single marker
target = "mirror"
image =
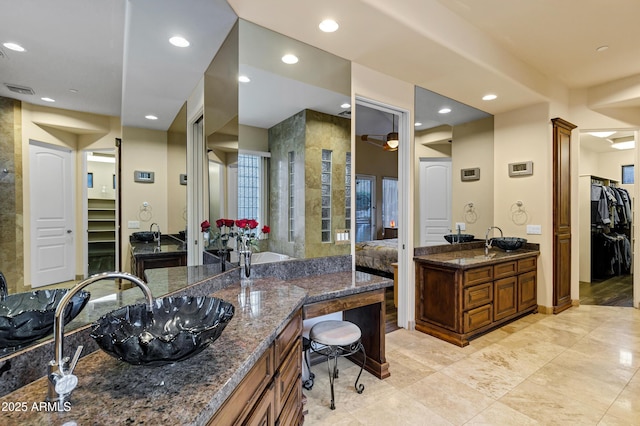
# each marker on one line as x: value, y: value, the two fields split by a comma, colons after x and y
x: 82, y: 131
x: 295, y: 132
x: 464, y: 135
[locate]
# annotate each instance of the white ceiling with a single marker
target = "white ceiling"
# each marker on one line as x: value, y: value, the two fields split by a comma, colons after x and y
x: 115, y: 54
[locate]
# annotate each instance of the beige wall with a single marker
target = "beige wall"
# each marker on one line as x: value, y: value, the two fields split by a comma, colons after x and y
x: 102, y: 180
x: 145, y: 150
x: 177, y: 193
x: 525, y: 135
x: 472, y: 146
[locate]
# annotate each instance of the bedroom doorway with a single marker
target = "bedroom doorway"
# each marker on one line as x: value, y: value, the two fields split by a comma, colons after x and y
x: 365, y: 208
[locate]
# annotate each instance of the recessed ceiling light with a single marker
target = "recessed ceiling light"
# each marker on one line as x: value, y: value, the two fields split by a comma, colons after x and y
x: 489, y: 97
x: 328, y: 25
x: 417, y: 123
x: 14, y: 46
x: 150, y: 117
x: 445, y: 111
x: 602, y: 48
x: 601, y: 134
x: 73, y: 90
x: 244, y: 79
x: 48, y: 99
x: 179, y: 41
x: 345, y: 105
x: 624, y: 145
x: 290, y: 59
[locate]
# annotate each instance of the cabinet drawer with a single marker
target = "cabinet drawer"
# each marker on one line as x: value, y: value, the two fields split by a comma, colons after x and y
x: 478, y: 317
x: 291, y: 413
x: 477, y: 295
x: 288, y: 337
x: 288, y: 375
x: 528, y: 264
x: 477, y: 275
x: 237, y: 406
x: 505, y: 269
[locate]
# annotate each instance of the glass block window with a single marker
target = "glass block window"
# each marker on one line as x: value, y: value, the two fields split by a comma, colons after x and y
x: 347, y: 192
x: 628, y: 174
x: 389, y: 202
x: 326, y: 195
x: 291, y: 201
x: 249, y: 187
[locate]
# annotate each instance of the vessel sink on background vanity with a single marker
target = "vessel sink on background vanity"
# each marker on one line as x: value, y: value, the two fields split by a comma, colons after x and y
x: 462, y: 293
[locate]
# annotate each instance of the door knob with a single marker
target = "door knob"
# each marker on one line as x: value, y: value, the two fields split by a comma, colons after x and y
x: 69, y: 231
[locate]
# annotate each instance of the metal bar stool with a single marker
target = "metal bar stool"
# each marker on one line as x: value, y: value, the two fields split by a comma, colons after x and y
x: 334, y: 339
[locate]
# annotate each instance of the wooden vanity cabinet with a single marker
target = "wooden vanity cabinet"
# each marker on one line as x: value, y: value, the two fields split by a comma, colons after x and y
x: 457, y: 304
x: 271, y: 393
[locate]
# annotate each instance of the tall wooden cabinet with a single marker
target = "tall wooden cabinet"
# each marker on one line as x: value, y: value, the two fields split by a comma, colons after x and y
x: 101, y: 230
x: 561, y: 214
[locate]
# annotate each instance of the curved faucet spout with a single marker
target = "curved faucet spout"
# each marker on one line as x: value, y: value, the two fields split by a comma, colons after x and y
x: 59, y: 381
x: 487, y: 243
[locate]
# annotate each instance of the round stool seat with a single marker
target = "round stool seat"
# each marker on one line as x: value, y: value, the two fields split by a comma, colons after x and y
x: 335, y: 333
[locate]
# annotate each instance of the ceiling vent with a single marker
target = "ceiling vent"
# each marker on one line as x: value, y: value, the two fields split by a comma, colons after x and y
x: 20, y: 89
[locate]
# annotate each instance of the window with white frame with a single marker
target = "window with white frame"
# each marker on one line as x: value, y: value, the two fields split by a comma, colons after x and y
x: 252, y: 187
x: 389, y: 202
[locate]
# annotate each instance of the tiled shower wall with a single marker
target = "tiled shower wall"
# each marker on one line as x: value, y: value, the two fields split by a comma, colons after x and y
x: 307, y: 133
x: 11, y: 215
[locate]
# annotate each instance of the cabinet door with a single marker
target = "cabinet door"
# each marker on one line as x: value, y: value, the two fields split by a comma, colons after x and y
x: 263, y: 414
x: 478, y: 317
x: 527, y: 290
x: 505, y: 298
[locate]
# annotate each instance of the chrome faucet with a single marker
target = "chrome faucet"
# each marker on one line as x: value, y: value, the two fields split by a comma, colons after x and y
x: 459, y: 236
x: 62, y: 382
x: 487, y: 243
x: 4, y: 288
x: 157, y: 235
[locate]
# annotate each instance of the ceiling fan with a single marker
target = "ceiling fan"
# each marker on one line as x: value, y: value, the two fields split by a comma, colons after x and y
x: 388, y: 142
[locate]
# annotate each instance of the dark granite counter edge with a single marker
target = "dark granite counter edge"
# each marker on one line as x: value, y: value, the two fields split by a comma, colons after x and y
x: 504, y: 257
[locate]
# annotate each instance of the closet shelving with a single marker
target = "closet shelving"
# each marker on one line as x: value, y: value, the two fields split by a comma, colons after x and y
x: 101, y: 230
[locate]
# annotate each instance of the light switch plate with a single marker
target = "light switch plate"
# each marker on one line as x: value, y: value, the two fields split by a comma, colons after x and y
x: 461, y: 225
x: 133, y: 224
x: 534, y: 229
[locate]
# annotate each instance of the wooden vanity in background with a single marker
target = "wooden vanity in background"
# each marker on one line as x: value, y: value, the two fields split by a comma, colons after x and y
x: 461, y: 293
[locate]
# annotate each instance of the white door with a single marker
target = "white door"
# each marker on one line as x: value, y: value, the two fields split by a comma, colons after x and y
x: 435, y: 200
x: 52, y: 214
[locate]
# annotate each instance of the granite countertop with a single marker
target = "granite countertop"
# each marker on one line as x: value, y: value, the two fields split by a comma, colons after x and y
x: 189, y: 392
x: 474, y: 257
x: 168, y: 244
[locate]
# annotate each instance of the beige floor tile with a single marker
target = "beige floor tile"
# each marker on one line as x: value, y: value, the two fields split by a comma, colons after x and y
x: 500, y: 414
x: 547, y: 406
x: 405, y: 370
x: 484, y: 375
x: 627, y: 406
x: 398, y: 410
x: 594, y: 366
x: 450, y: 399
x: 580, y: 386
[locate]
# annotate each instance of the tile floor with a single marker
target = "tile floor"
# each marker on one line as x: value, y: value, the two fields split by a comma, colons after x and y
x: 576, y: 368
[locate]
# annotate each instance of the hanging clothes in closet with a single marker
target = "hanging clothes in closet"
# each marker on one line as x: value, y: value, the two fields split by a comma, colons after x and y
x: 611, y: 218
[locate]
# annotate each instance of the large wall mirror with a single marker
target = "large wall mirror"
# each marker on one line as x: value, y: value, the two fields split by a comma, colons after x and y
x: 278, y: 140
x: 454, y: 136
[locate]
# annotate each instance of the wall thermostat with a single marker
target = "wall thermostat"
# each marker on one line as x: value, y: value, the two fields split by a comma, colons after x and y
x: 183, y: 179
x: 143, y: 177
x: 470, y: 174
x: 521, y: 169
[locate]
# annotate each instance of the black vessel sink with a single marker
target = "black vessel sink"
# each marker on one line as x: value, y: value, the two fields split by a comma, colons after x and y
x: 27, y: 317
x: 459, y: 238
x: 508, y: 243
x: 144, y: 236
x: 177, y: 328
